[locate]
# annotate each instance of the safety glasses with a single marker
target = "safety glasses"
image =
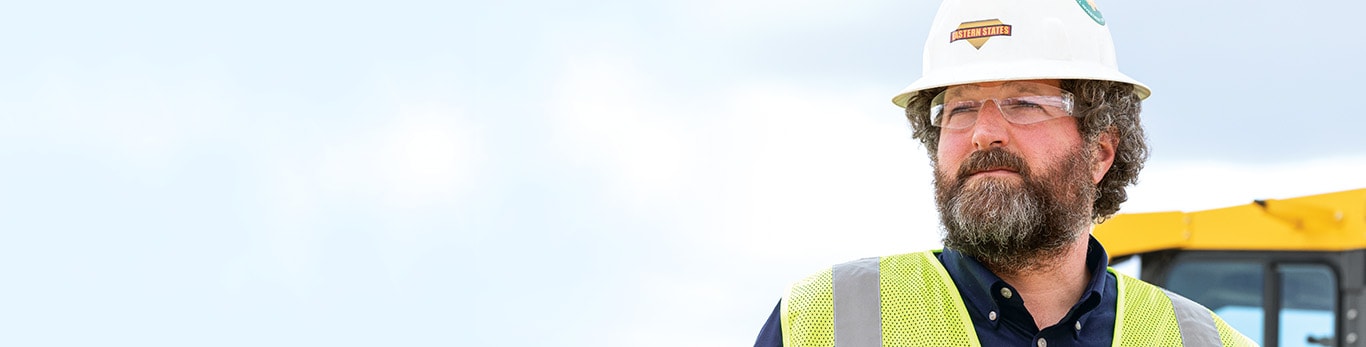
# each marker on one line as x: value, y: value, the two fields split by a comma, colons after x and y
x: 1018, y: 102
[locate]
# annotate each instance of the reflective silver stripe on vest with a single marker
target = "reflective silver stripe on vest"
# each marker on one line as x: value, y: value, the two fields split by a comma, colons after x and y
x: 1197, y: 325
x: 858, y: 303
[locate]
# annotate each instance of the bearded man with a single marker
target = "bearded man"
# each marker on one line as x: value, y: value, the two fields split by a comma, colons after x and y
x: 1034, y: 135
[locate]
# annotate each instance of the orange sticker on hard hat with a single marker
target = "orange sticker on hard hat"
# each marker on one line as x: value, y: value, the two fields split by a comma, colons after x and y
x: 978, y: 32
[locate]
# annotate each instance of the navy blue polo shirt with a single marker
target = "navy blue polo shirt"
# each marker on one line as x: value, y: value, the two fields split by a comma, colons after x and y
x: 1090, y: 322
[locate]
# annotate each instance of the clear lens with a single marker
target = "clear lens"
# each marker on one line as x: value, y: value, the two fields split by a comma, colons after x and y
x: 1018, y: 102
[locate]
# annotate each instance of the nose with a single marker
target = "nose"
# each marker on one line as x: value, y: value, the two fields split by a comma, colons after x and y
x: 991, y: 128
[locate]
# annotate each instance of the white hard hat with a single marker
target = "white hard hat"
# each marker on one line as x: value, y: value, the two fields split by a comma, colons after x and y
x: 975, y: 41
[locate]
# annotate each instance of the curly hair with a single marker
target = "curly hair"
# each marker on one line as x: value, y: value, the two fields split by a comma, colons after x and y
x: 1102, y: 106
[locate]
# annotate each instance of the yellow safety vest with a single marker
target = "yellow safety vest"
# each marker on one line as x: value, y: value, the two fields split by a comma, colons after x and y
x: 910, y: 300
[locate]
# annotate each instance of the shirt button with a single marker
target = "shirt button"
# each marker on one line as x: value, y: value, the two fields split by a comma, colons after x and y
x: 1043, y: 343
x: 1005, y: 292
x: 991, y: 315
x: 1078, y: 325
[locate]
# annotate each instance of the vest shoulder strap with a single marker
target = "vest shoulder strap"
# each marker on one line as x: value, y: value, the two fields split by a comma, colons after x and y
x: 900, y: 300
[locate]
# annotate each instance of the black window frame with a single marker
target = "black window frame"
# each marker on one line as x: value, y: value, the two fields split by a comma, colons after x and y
x: 1157, y: 266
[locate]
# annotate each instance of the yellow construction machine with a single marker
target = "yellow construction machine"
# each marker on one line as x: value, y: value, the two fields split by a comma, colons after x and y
x: 1285, y: 272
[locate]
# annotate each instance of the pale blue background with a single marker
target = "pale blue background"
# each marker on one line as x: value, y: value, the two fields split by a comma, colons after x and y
x: 525, y: 173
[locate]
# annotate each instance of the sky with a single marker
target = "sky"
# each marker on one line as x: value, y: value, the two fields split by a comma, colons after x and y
x: 524, y: 173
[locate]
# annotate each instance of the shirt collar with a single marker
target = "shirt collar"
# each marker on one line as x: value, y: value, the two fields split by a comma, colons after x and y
x: 977, y: 284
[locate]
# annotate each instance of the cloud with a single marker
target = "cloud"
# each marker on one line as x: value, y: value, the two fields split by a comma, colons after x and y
x: 759, y: 174
x: 784, y: 168
x: 776, y: 180
x: 1199, y: 185
x: 830, y: 174
x: 134, y: 115
x: 397, y: 181
x: 424, y: 154
x: 773, y: 16
x: 606, y: 117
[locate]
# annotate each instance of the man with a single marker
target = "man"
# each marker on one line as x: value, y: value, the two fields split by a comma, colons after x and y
x: 1034, y: 135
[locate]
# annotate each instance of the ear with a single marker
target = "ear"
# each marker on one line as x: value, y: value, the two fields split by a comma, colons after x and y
x: 1103, y: 155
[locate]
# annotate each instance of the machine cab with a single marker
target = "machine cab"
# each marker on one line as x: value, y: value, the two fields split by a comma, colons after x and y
x: 1285, y: 272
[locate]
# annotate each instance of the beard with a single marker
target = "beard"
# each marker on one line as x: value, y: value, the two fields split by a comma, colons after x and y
x: 1012, y: 225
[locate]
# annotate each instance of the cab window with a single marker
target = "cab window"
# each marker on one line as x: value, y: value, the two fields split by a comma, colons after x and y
x: 1301, y: 297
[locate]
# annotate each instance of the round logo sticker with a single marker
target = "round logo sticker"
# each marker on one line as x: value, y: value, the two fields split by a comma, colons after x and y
x: 1090, y: 7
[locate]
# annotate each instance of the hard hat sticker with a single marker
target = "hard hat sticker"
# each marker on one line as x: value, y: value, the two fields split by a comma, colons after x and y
x: 978, y: 32
x: 1090, y: 7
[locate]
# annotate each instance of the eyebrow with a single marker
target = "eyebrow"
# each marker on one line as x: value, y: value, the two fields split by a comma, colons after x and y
x: 1024, y: 87
x: 957, y: 91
